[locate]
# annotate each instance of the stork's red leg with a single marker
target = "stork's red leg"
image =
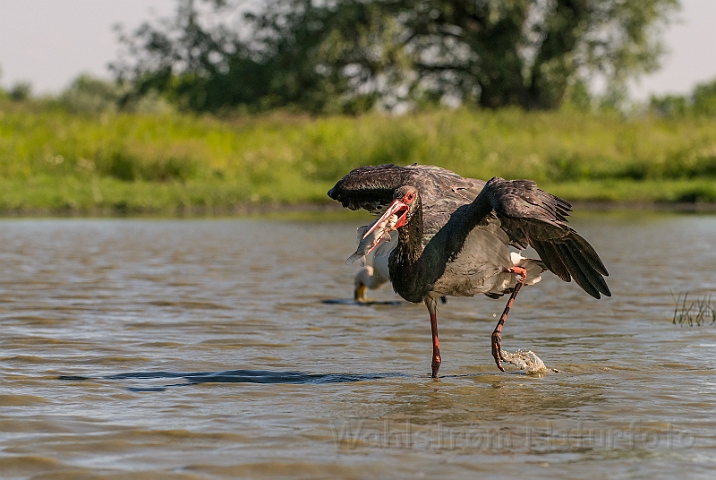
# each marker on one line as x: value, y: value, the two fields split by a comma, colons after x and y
x: 433, y: 309
x: 497, y: 333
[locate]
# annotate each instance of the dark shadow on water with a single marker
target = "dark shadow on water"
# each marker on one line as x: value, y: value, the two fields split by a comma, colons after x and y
x: 236, y: 376
x: 366, y: 303
x: 350, y: 301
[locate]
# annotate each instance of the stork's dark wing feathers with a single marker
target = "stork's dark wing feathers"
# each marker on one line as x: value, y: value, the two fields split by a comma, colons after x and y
x: 590, y: 254
x: 531, y: 216
x: 552, y: 260
x: 521, y: 199
x: 371, y: 188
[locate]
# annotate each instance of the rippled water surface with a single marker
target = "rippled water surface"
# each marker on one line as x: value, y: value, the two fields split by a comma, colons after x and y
x: 203, y: 349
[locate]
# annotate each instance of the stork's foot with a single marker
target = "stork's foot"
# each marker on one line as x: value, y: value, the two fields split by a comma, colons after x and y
x: 497, y: 349
x: 435, y: 366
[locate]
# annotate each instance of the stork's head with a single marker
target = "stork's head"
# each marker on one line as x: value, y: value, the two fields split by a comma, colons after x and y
x: 405, y: 203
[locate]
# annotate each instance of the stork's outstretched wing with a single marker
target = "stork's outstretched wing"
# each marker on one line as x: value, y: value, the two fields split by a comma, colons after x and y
x: 371, y: 188
x: 531, y: 216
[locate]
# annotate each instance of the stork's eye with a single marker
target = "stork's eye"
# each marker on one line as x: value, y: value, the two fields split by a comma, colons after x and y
x: 410, y: 197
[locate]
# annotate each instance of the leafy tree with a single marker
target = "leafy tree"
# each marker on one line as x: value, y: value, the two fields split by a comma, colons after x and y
x: 88, y: 94
x: 20, y: 91
x: 92, y: 95
x: 329, y: 55
x: 200, y: 63
x: 701, y: 101
x: 704, y: 99
x: 670, y: 105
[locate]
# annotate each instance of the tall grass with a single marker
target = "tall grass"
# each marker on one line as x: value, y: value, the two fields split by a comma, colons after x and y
x: 701, y: 311
x: 51, y: 159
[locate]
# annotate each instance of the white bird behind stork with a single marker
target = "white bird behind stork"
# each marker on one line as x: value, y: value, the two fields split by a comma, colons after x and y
x: 375, y: 272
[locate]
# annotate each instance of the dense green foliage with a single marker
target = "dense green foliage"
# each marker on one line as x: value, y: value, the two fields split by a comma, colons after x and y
x: 702, y: 101
x: 351, y: 55
x: 54, y: 160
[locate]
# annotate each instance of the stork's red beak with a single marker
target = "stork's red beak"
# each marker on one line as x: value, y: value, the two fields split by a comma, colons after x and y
x: 396, y: 208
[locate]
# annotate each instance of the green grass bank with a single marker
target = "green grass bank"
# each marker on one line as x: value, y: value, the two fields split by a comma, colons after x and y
x: 53, y: 161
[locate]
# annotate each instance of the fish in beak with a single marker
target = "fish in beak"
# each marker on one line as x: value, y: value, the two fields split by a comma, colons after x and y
x: 395, y: 216
x: 371, y: 236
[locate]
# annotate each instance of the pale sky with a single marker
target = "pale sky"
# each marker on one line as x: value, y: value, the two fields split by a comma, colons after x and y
x: 51, y: 42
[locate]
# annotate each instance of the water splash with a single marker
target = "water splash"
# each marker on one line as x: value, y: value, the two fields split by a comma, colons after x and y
x: 527, y: 361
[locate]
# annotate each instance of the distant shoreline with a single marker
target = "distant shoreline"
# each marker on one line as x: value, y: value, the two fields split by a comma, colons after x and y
x: 318, y: 210
x: 57, y: 163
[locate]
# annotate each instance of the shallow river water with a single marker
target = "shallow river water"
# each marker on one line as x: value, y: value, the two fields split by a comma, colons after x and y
x: 201, y: 349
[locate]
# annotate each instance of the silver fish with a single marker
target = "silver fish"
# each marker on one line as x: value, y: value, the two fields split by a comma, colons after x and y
x: 368, y: 243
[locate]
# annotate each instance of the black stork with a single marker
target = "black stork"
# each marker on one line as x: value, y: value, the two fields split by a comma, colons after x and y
x: 454, y: 234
